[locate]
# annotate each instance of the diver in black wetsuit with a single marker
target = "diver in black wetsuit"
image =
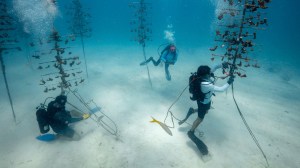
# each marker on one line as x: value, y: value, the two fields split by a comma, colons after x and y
x: 59, y: 118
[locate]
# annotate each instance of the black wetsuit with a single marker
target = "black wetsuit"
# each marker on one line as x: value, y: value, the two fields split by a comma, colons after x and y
x: 59, y: 120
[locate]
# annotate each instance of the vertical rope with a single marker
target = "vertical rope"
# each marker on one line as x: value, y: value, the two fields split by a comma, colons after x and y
x: 232, y: 68
x: 7, y: 87
x: 248, y: 127
x: 149, y: 77
x: 83, y: 50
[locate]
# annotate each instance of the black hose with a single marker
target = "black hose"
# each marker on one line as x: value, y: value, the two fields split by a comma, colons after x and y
x: 248, y: 128
x: 231, y: 72
x: 158, y: 48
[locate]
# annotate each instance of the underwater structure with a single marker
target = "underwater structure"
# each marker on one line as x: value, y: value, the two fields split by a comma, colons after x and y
x: 62, y: 69
x: 80, y: 25
x: 141, y: 26
x: 237, y: 24
x: 8, y: 43
x: 236, y: 32
x: 66, y: 75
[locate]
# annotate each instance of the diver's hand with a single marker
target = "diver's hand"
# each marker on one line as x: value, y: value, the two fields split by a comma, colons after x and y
x: 86, y: 116
x: 230, y: 80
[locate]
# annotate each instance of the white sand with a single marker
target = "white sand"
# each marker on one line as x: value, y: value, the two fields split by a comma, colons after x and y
x: 120, y: 86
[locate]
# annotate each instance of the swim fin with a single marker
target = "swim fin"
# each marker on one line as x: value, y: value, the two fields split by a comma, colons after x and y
x: 143, y: 63
x: 200, y: 144
x: 46, y: 137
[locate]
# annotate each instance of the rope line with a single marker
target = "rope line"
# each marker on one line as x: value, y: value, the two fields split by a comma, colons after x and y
x: 148, y: 71
x: 248, y: 127
x: 7, y: 87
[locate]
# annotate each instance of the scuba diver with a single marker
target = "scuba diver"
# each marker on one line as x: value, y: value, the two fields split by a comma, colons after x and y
x: 59, y: 119
x: 203, y: 94
x: 168, y: 56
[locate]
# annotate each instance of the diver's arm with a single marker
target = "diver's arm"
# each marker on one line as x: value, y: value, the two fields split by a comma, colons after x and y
x: 221, y: 88
x: 210, y: 87
x: 66, y: 118
x: 72, y: 120
x: 163, y: 57
x: 175, y: 58
x: 84, y: 116
x: 165, y: 49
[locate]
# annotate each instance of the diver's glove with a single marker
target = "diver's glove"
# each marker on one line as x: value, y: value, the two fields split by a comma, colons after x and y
x: 225, y: 65
x: 230, y: 80
x: 85, y: 116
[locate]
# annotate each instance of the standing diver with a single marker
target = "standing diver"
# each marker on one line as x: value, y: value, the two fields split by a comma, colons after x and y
x: 168, y: 56
x: 207, y: 89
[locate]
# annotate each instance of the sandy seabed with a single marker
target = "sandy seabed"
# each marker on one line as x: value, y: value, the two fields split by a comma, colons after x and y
x: 120, y: 86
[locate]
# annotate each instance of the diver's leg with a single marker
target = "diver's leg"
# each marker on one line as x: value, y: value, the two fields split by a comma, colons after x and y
x: 168, y: 75
x: 196, y: 124
x: 202, y: 110
x: 146, y: 62
x: 189, y: 113
x: 69, y: 134
x: 155, y: 63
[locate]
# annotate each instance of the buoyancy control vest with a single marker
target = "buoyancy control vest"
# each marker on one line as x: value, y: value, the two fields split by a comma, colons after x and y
x: 195, y: 87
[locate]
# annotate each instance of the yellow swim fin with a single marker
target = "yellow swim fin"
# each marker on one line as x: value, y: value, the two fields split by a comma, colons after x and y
x: 164, y: 126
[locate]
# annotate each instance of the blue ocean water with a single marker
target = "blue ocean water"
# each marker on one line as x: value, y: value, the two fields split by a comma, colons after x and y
x: 191, y: 23
x: 194, y: 25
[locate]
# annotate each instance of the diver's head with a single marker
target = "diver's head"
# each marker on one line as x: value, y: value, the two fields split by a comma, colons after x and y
x: 61, y: 99
x: 203, y: 70
x: 172, y: 48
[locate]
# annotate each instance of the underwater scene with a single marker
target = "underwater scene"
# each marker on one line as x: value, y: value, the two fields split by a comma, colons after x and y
x: 149, y: 84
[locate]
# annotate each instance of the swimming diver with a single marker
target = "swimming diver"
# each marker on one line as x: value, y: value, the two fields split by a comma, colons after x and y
x: 168, y: 56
